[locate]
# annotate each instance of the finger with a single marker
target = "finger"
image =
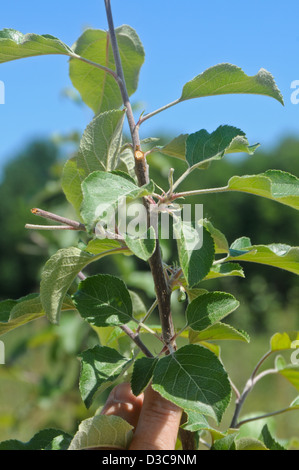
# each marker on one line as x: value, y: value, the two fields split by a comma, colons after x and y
x: 158, y: 423
x: 121, y: 402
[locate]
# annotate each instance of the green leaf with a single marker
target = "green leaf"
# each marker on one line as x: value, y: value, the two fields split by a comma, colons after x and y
x: 224, y: 270
x: 101, y: 141
x: 102, y: 431
x: 196, y: 422
x: 98, y: 89
x: 216, y: 332
x: 229, y: 79
x: 102, y: 191
x: 221, y: 243
x: 280, y: 362
x: 47, y: 439
x: 144, y: 246
x: 103, y: 300
x: 209, y: 308
x: 175, y: 148
x: 100, y: 368
x: 142, y: 373
x: 71, y: 180
x: 295, y: 404
x: 194, y: 379
x: 195, y: 263
x: 126, y: 162
x: 202, y: 146
x: 269, y: 441
x: 97, y: 246
x: 193, y: 293
x: 15, y: 45
x: 58, y: 274
x: 277, y: 185
x: 249, y: 443
x: 291, y: 374
x: 277, y: 254
x: 225, y: 443
x: 21, y: 311
x: 283, y: 341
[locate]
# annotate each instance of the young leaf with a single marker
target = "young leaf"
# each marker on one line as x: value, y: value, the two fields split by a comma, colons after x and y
x: 194, y: 379
x: 216, y: 332
x: 277, y: 185
x: 196, y: 422
x: 176, y: 147
x: 103, y: 300
x: 102, y: 191
x: 15, y: 45
x: 209, y: 308
x: 100, y: 143
x: 144, y: 246
x: 249, y: 443
x: 101, y: 367
x: 102, y: 431
x: 280, y: 362
x: 283, y: 341
x: 225, y: 443
x: 194, y: 293
x: 28, y: 308
x: 58, y: 274
x: 202, y: 146
x: 221, y: 243
x: 277, y: 255
x: 269, y: 441
x: 126, y: 162
x: 229, y: 79
x: 98, y: 89
x: 195, y: 263
x: 47, y: 439
x: 142, y: 373
x: 98, y: 246
x: 291, y: 374
x: 71, y: 180
x: 224, y: 270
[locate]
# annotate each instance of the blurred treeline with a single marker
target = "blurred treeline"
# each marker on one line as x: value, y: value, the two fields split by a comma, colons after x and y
x: 38, y: 385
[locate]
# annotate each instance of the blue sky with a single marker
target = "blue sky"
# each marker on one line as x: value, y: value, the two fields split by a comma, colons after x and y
x: 181, y: 39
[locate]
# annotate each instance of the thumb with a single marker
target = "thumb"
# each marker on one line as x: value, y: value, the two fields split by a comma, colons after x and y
x: 158, y: 423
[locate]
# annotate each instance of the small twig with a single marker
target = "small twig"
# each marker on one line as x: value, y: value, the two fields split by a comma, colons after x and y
x: 135, y: 337
x: 199, y: 192
x: 57, y: 218
x: 181, y: 178
x: 263, y: 374
x: 251, y: 382
x: 261, y: 361
x: 266, y: 415
x: 149, y: 312
x: 235, y: 389
x: 81, y: 276
x: 170, y: 180
x: 157, y: 111
x: 95, y: 64
x: 50, y: 227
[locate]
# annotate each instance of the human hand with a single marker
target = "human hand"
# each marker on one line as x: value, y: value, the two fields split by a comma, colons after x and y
x: 156, y: 420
